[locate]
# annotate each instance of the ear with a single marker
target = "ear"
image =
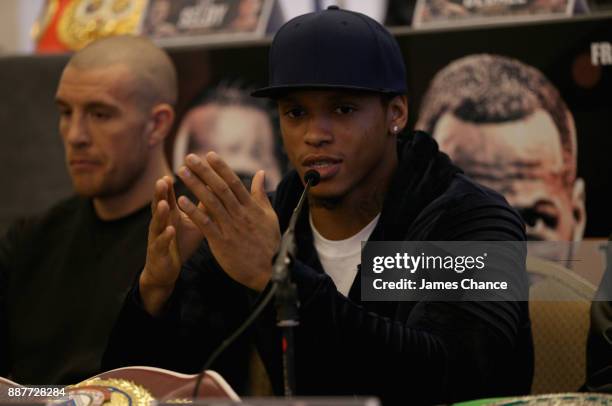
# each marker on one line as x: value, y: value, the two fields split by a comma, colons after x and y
x: 160, y: 123
x: 397, y: 114
x: 578, y: 209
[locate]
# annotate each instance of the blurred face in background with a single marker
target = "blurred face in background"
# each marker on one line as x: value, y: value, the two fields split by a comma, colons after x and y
x: 523, y: 160
x: 104, y: 130
x: 242, y: 135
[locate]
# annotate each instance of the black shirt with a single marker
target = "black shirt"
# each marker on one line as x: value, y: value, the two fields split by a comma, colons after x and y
x: 64, y: 277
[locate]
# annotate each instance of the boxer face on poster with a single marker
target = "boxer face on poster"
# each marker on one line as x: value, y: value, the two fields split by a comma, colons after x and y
x: 520, y: 143
x: 523, y: 160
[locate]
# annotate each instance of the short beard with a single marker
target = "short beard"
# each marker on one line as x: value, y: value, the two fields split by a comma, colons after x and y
x: 329, y: 203
x: 373, y: 206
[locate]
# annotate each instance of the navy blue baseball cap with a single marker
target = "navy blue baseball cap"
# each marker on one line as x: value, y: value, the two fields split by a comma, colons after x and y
x: 334, y: 49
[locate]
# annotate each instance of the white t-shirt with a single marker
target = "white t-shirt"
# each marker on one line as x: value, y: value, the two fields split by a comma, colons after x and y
x: 340, y: 258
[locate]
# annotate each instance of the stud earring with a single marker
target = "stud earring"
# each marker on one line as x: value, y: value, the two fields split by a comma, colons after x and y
x: 395, y: 129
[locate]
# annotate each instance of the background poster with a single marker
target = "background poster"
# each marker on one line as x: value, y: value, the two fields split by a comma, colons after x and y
x: 444, y: 13
x: 177, y: 22
x: 562, y: 52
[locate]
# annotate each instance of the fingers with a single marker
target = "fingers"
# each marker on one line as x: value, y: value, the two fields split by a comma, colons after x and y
x: 161, y: 245
x: 258, y: 189
x: 163, y: 202
x: 229, y: 177
x: 199, y: 217
x: 159, y: 221
x: 203, y: 170
x: 160, y: 193
x: 210, y: 189
x: 157, y: 279
x: 171, y: 196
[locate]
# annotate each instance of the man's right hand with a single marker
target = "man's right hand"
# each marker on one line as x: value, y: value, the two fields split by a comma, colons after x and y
x: 173, y: 238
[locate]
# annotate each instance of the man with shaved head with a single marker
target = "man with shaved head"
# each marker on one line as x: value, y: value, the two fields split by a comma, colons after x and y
x: 65, y: 273
x: 507, y: 127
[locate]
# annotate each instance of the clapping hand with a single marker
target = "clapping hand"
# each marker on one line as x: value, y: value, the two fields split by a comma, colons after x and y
x: 173, y: 238
x: 241, y: 228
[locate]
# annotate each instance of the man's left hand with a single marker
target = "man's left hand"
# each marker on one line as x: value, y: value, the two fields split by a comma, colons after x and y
x: 241, y: 228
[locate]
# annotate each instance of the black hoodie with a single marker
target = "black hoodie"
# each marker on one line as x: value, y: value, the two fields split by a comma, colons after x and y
x: 401, y: 352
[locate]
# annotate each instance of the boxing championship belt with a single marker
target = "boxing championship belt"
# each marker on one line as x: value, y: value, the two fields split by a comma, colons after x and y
x: 135, y: 386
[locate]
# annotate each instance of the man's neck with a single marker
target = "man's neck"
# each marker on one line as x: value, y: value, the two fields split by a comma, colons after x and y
x: 133, y: 199
x: 343, y: 221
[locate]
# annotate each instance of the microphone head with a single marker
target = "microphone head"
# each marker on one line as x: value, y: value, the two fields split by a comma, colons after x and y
x: 312, y: 176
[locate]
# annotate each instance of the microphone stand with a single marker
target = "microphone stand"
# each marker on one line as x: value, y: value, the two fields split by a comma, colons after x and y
x: 286, y: 300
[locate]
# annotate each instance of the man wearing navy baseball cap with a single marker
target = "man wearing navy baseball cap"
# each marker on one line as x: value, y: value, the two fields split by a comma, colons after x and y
x: 340, y: 82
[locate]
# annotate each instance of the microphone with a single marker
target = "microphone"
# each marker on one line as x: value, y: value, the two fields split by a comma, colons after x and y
x: 313, y: 177
x: 287, y: 246
x: 286, y: 291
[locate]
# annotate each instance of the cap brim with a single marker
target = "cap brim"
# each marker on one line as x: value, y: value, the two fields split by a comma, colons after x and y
x: 275, y: 92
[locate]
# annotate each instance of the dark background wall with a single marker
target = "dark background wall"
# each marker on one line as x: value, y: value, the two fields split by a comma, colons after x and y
x: 32, y: 174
